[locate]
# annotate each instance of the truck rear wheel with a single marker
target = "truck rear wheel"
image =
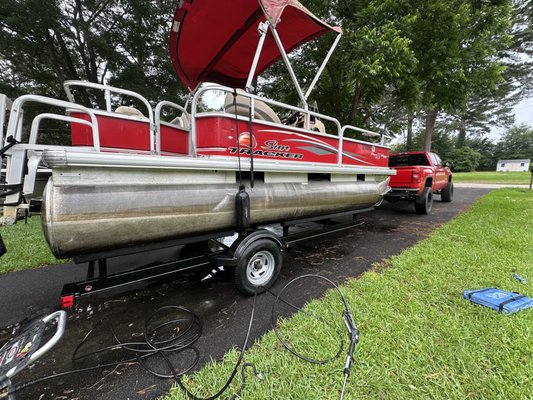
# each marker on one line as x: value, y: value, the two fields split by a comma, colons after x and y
x: 447, y: 193
x: 258, y: 266
x: 424, y: 202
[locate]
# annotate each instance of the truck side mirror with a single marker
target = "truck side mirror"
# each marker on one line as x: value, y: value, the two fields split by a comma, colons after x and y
x: 448, y: 164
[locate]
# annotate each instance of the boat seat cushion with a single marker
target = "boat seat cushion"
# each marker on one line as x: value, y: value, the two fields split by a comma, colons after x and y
x: 130, y: 111
x: 261, y: 110
x: 183, y: 121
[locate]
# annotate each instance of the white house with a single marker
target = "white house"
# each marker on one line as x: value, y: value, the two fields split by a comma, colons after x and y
x: 512, y: 165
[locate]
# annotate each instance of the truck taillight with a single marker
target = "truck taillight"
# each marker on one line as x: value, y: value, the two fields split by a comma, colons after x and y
x: 416, y: 177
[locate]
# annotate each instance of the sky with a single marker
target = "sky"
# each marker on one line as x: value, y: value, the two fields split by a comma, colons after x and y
x: 523, y: 113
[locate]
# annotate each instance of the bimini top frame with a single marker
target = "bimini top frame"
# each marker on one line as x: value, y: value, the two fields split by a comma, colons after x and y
x: 212, y: 41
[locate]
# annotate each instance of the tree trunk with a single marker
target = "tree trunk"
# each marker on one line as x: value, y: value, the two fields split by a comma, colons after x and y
x: 431, y: 117
x: 461, y: 137
x: 356, y: 99
x: 409, y: 141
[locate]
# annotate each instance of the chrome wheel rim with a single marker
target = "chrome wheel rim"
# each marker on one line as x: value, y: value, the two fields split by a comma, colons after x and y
x: 260, y: 268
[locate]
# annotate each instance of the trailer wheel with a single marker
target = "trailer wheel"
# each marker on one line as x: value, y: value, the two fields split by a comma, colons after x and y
x: 259, y: 265
x: 424, y: 202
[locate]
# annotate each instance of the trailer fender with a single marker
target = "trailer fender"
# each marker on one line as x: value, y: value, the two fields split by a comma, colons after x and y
x: 242, y: 243
x: 258, y: 261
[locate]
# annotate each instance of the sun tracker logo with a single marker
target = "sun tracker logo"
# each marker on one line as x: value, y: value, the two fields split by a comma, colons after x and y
x: 271, y: 148
x: 244, y: 140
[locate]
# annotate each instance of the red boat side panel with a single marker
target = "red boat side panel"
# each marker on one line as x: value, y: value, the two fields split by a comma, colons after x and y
x: 115, y: 132
x: 174, y: 140
x: 216, y: 137
x: 356, y: 153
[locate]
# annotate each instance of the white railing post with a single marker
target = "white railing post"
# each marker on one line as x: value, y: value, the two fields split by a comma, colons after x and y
x: 158, y: 109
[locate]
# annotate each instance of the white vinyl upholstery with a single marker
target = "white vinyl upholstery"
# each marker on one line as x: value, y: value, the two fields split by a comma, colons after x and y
x: 183, y: 121
x: 130, y: 111
x: 261, y: 110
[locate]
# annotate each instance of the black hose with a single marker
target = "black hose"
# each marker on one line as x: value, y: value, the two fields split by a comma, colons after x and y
x: 190, y: 330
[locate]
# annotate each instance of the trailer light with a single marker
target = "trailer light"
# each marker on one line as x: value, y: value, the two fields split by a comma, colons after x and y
x: 67, y: 301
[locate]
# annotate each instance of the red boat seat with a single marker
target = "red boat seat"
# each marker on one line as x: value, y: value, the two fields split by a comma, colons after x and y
x: 261, y: 110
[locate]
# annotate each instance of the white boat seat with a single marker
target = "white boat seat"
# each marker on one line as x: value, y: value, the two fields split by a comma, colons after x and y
x: 261, y: 110
x: 298, y: 119
x: 183, y: 121
x: 317, y: 126
x: 130, y: 111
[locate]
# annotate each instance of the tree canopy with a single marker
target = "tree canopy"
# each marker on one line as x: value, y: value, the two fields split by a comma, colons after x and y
x: 120, y: 42
x: 402, y: 65
x: 516, y: 143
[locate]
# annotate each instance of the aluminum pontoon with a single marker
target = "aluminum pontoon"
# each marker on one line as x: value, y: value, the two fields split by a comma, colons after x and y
x: 133, y: 177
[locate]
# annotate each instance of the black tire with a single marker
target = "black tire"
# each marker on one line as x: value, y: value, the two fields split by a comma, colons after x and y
x: 258, y: 266
x: 424, y: 202
x: 447, y: 193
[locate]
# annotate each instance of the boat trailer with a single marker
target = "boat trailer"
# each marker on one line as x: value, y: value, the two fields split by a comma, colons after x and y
x: 254, y: 258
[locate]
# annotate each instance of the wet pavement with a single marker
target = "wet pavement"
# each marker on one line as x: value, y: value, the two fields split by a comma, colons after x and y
x: 224, y: 312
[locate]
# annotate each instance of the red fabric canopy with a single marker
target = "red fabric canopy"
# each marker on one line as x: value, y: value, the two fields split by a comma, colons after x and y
x: 215, y: 40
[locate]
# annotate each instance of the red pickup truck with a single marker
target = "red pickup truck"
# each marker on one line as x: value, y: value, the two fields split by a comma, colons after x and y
x: 418, y: 176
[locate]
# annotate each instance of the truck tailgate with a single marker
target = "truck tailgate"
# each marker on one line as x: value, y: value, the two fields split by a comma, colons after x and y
x: 402, y: 178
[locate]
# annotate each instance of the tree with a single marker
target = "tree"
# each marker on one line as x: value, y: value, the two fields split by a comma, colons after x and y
x: 516, y: 143
x: 519, y: 56
x: 372, y: 58
x: 122, y: 42
x: 487, y: 149
x: 464, y: 159
x: 443, y: 143
x: 456, y: 44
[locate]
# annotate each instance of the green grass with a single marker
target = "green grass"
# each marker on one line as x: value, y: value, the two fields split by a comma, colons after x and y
x: 515, y: 178
x: 26, y: 246
x: 419, y: 339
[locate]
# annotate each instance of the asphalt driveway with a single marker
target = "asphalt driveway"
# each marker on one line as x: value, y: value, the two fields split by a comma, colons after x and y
x: 385, y: 232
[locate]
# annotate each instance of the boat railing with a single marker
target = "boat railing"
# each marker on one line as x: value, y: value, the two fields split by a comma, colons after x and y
x: 108, y: 92
x: 56, y: 117
x: 196, y: 101
x: 25, y: 158
x: 184, y: 122
x: 383, y: 135
x: 5, y: 106
x: 16, y: 117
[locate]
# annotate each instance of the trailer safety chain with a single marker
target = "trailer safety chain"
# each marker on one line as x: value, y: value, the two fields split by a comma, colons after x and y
x: 186, y: 329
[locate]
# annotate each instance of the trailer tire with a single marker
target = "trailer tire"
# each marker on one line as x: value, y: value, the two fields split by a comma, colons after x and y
x: 447, y: 193
x: 258, y: 266
x: 424, y: 202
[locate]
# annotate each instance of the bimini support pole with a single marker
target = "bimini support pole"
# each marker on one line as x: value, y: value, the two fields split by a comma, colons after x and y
x: 263, y: 29
x: 324, y: 63
x: 289, y: 67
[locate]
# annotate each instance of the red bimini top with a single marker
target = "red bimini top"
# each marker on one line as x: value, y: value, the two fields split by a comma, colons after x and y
x: 215, y: 40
